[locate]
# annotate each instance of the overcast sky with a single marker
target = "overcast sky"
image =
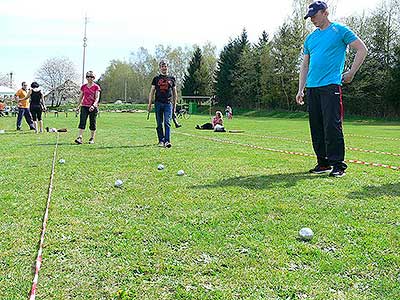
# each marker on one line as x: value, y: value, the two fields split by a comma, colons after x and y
x: 33, y: 31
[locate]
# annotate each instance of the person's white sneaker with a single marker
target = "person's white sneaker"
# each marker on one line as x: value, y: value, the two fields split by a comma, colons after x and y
x: 160, y: 144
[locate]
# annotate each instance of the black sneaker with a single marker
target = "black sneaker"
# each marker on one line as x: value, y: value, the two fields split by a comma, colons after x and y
x: 337, y: 172
x: 168, y: 145
x: 320, y: 169
x: 178, y: 125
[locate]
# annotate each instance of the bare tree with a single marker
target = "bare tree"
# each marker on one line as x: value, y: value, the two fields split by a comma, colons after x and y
x: 4, y: 79
x: 56, y: 71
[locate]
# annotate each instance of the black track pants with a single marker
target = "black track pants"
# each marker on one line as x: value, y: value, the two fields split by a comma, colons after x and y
x: 325, y: 109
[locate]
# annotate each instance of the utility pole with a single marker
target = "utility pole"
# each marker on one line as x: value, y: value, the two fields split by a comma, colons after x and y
x: 11, y: 80
x: 126, y: 86
x: 84, y: 51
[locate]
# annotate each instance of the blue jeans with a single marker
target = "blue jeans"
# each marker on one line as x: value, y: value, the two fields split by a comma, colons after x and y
x: 24, y: 112
x: 163, y: 115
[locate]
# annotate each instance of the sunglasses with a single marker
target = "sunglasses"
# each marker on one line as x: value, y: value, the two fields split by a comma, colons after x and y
x: 89, y: 76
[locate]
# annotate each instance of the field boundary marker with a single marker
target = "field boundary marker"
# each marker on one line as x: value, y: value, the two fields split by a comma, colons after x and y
x: 355, y: 161
x: 38, y: 264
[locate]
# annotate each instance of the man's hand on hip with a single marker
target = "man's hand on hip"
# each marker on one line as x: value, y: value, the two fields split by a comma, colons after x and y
x: 347, y: 77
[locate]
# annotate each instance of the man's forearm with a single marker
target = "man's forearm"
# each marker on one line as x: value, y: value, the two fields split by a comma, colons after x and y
x: 303, y: 77
x: 151, y: 95
x: 358, y: 60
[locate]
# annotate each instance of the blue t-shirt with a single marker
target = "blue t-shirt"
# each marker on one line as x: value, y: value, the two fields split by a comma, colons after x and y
x: 327, y: 50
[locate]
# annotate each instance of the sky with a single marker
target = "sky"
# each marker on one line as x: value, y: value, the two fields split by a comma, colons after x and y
x: 34, y: 31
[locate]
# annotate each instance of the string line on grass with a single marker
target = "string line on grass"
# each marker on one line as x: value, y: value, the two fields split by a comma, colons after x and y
x: 360, y: 162
x: 373, y: 137
x: 307, y: 142
x: 38, y: 264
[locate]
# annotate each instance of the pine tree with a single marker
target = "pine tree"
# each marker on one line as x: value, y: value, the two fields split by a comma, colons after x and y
x: 370, y: 93
x: 246, y: 78
x: 208, y: 66
x: 286, y: 53
x: 262, y: 40
x: 227, y: 65
x: 192, y: 82
x: 393, y: 86
x: 265, y: 70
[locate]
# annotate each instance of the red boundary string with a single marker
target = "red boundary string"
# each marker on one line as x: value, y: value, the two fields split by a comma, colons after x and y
x: 32, y: 294
x: 290, y: 152
x: 374, y: 137
x: 307, y: 142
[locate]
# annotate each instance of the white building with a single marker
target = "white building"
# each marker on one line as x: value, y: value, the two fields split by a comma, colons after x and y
x: 6, y: 91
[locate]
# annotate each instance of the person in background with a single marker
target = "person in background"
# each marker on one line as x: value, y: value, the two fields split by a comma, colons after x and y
x: 175, y: 120
x: 229, y: 112
x: 52, y: 129
x: 88, y: 105
x: 217, y: 123
x: 23, y: 107
x: 37, y: 105
x: 164, y: 88
x: 2, y: 108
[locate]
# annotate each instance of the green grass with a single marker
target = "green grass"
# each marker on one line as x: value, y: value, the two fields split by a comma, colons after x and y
x: 226, y: 230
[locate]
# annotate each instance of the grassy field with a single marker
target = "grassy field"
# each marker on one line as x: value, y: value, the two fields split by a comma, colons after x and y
x: 228, y: 229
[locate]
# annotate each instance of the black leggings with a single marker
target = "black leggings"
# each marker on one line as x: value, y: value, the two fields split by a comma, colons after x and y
x: 36, y: 112
x: 207, y: 126
x: 85, y: 113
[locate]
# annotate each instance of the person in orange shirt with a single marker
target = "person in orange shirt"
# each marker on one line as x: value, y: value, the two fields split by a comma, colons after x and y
x: 2, y: 107
x: 23, y: 107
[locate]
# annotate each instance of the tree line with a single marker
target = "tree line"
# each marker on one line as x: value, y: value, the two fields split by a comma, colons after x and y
x: 130, y: 80
x: 263, y: 74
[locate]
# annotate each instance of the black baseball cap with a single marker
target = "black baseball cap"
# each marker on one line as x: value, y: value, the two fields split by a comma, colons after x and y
x: 314, y: 7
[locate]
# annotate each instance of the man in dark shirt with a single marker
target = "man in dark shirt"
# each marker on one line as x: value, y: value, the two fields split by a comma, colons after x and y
x: 164, y: 88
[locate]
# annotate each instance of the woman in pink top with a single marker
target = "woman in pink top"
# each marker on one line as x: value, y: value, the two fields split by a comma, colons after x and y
x: 217, y: 119
x: 217, y: 123
x: 88, y: 104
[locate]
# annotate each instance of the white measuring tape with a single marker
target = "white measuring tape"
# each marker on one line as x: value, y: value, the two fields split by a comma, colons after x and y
x: 44, y: 225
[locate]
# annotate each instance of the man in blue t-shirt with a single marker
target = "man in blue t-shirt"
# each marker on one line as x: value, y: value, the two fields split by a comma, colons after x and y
x: 321, y: 73
x: 166, y: 95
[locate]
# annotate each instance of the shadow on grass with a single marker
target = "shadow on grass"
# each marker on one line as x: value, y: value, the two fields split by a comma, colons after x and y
x: 262, y: 181
x: 390, y: 189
